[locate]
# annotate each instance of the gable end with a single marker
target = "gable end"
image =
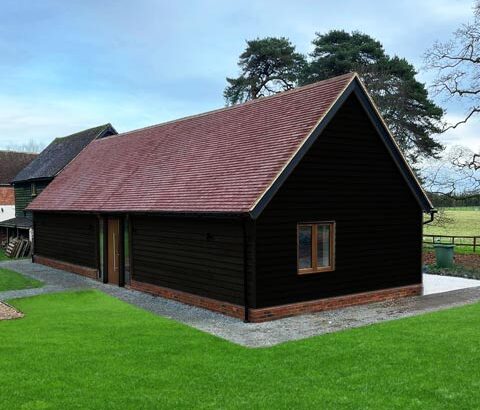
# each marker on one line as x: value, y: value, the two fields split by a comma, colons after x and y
x: 354, y: 87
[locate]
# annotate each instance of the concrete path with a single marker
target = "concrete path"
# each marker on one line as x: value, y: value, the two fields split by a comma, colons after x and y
x: 248, y: 334
x: 439, y: 284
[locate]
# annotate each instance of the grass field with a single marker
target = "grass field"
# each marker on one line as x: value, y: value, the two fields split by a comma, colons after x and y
x: 460, y: 221
x: 10, y: 280
x: 88, y: 350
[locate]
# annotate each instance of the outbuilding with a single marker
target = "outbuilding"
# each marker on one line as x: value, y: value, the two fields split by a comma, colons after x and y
x: 33, y: 176
x: 11, y: 162
x: 288, y: 204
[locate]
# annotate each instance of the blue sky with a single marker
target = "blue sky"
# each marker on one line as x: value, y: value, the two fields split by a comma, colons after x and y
x: 70, y: 65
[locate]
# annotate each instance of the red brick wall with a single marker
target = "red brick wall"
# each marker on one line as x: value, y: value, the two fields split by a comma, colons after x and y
x: 7, y: 196
x: 226, y: 308
x: 69, y: 267
x: 282, y: 311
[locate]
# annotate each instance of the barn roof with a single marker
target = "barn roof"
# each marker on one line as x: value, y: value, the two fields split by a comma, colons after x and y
x: 11, y: 163
x: 60, y: 152
x: 227, y: 161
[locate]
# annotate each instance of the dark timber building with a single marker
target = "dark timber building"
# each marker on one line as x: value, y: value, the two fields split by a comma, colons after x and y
x: 292, y: 203
x: 11, y: 163
x: 34, y: 177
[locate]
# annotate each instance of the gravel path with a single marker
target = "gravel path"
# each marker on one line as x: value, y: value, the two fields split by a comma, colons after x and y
x: 246, y: 334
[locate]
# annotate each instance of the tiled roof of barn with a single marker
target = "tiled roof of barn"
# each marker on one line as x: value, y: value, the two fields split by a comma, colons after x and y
x: 221, y: 161
x: 60, y: 152
x: 11, y: 163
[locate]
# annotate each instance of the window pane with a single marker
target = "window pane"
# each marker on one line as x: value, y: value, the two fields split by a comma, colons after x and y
x: 305, y: 247
x: 323, y: 246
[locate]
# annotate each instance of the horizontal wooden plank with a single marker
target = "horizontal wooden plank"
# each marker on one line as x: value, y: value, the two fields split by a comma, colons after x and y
x: 68, y: 238
x: 347, y: 176
x: 197, y: 256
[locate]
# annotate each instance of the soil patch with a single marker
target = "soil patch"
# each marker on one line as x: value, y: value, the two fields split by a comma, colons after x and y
x: 466, y: 266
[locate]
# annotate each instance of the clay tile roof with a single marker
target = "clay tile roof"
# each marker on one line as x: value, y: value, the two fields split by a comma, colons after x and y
x: 11, y: 163
x: 220, y: 161
x: 60, y: 152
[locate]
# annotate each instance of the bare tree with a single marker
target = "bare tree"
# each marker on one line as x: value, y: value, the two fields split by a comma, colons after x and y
x: 457, y: 66
x: 30, y: 146
x: 456, y: 174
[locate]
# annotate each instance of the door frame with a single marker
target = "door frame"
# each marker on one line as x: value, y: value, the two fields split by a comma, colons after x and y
x: 121, y: 272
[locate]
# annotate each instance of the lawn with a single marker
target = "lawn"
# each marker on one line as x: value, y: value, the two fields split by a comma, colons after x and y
x: 461, y: 221
x: 88, y: 350
x: 10, y: 280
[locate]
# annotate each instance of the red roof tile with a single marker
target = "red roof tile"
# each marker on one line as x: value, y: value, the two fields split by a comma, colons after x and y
x: 221, y: 161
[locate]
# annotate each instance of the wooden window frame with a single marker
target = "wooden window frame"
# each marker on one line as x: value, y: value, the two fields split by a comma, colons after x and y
x: 314, y: 227
x: 33, y: 189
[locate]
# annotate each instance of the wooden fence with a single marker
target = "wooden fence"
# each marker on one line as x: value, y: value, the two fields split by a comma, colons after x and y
x: 467, y: 241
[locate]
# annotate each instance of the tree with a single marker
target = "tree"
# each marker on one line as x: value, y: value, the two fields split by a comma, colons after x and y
x: 30, y: 146
x: 457, y: 66
x: 456, y: 175
x: 402, y: 100
x: 268, y: 66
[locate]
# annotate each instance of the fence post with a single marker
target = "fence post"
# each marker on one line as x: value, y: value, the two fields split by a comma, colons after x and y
x: 474, y: 243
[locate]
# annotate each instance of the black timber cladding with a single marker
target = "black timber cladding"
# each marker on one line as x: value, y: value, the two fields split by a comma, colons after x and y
x: 200, y: 256
x: 67, y: 238
x: 347, y: 176
x: 355, y: 88
x: 23, y: 196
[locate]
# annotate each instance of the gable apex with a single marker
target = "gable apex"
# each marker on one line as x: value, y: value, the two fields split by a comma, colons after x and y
x: 357, y: 88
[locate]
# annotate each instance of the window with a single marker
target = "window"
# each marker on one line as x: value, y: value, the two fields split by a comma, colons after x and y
x: 33, y: 189
x: 315, y: 247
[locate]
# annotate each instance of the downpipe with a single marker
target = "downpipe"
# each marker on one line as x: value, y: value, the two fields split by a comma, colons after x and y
x: 432, y: 216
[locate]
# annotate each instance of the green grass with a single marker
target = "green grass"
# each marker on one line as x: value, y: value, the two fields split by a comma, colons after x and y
x: 10, y: 280
x: 88, y: 350
x: 3, y: 257
x: 462, y: 221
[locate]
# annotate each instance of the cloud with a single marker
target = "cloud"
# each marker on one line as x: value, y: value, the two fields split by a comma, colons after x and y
x: 66, y: 66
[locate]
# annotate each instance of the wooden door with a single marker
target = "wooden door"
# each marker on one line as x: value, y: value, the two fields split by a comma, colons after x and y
x: 113, y: 275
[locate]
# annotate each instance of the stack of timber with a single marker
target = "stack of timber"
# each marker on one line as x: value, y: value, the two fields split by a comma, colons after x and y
x: 18, y: 248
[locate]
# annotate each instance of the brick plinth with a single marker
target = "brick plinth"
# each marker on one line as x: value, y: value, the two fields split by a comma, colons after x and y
x: 226, y: 308
x: 281, y: 311
x: 293, y: 309
x: 69, y: 267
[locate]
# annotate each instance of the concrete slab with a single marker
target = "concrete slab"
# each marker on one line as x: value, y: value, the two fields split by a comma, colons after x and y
x: 438, y: 284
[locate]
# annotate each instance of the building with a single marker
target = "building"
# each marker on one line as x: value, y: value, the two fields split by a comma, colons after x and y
x: 32, y: 178
x: 288, y: 204
x: 11, y: 163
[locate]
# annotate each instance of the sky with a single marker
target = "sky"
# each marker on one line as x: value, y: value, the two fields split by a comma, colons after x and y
x: 70, y: 65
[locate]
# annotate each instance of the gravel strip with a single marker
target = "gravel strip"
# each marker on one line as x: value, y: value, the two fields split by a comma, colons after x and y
x: 234, y: 330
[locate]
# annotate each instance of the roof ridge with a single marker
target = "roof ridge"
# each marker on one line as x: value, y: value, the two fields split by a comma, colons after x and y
x: 103, y: 126
x: 352, y: 74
